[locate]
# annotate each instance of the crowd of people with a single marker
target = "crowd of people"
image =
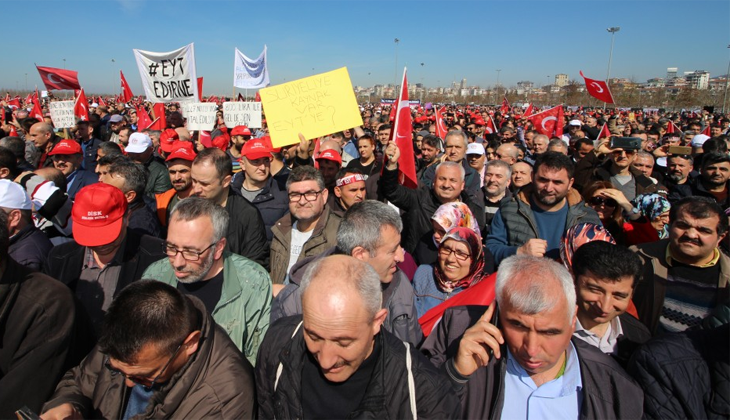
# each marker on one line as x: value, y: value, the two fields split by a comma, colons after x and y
x: 174, y: 274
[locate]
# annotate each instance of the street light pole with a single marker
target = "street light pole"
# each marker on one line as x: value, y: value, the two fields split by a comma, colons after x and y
x: 727, y: 78
x: 613, y: 31
x: 498, y: 70
x: 395, y: 77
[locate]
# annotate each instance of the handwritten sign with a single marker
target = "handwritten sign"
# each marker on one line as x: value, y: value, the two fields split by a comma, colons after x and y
x: 242, y: 113
x: 168, y: 76
x: 62, y: 114
x: 200, y: 115
x: 314, y: 106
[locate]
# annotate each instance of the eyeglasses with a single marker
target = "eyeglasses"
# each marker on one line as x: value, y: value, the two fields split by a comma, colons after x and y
x: 446, y: 252
x: 628, y: 152
x: 187, y: 254
x: 309, y: 196
x: 601, y: 201
x: 141, y: 380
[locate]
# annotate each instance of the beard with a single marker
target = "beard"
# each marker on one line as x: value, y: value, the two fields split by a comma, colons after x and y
x: 676, y: 178
x: 197, y: 275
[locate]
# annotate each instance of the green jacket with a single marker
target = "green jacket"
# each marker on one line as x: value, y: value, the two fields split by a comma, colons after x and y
x: 245, y: 304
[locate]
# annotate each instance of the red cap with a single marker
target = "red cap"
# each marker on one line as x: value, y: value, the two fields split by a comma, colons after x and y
x: 256, y: 149
x: 98, y: 214
x: 240, y: 130
x: 182, y: 150
x: 66, y: 147
x: 167, y: 138
x: 222, y: 141
x: 330, y: 155
x: 479, y: 121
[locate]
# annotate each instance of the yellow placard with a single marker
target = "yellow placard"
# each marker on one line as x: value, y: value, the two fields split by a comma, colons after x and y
x: 632, y: 116
x: 314, y: 106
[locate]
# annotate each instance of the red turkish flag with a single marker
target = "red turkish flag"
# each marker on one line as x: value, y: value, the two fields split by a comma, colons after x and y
x: 604, y: 133
x: 81, y: 106
x: 441, y: 129
x: 126, y: 90
x: 491, y: 127
x: 101, y: 101
x: 200, y: 88
x: 160, y: 122
x: 598, y: 89
x: 505, y: 106
x: 37, y: 111
x: 670, y: 128
x: 549, y: 122
x: 528, y: 112
x: 143, y: 119
x: 257, y: 98
x: 59, y: 79
x: 14, y: 103
x: 403, y: 135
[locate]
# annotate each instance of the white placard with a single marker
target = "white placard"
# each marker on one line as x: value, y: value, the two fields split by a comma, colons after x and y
x: 200, y: 115
x: 62, y: 114
x: 250, y: 74
x: 168, y: 76
x: 242, y: 113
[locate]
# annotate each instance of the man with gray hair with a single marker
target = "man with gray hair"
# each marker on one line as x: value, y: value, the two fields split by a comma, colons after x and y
x: 455, y: 145
x: 518, y: 357
x: 497, y: 178
x: 131, y: 178
x: 336, y: 361
x: 235, y: 290
x: 370, y: 231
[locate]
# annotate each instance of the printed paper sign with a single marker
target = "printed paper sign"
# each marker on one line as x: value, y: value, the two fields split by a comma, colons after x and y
x: 200, y: 115
x: 62, y: 114
x: 168, y: 76
x: 314, y: 106
x: 242, y: 113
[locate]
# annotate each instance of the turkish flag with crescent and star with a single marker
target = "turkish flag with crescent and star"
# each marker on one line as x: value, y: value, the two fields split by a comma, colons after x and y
x: 441, y: 129
x: 126, y: 90
x: 549, y: 122
x: 504, y: 109
x: 403, y: 134
x: 143, y: 119
x: 598, y: 89
x: 59, y: 79
x: 81, y: 107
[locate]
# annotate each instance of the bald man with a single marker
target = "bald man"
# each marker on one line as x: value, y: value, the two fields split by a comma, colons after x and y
x: 44, y: 139
x: 508, y: 152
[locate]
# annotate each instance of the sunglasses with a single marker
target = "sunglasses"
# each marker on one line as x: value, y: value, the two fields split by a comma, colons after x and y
x: 601, y: 201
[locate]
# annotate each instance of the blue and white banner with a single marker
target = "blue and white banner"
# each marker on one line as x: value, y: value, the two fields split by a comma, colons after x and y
x: 250, y: 74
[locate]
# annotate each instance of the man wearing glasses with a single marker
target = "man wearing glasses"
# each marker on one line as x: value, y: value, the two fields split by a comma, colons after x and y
x: 160, y: 356
x: 309, y: 229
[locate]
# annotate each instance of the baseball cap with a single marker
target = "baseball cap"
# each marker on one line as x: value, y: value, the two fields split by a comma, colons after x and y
x: 479, y: 121
x: 474, y: 149
x: 256, y: 149
x: 66, y: 147
x: 98, y: 214
x: 138, y: 143
x: 576, y: 123
x: 13, y: 196
x: 167, y: 140
x: 182, y: 150
x: 330, y: 155
x: 240, y: 130
x: 699, y: 140
x: 116, y: 118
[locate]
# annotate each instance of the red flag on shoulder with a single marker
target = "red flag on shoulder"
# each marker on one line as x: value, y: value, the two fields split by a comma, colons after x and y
x: 598, y: 89
x: 126, y: 90
x: 81, y: 106
x: 549, y: 122
x: 403, y: 135
x: 441, y: 129
x: 59, y: 79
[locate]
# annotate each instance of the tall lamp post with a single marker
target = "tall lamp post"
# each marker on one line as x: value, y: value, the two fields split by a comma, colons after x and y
x: 727, y: 78
x: 613, y: 31
x: 498, y: 71
x: 395, y: 78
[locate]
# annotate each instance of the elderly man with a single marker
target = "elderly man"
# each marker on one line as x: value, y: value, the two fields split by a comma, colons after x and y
x: 67, y: 157
x: 130, y: 178
x: 496, y: 182
x: 455, y: 145
x: 534, y: 221
x: 309, y: 229
x: 160, y: 355
x: 507, y: 152
x: 211, y: 174
x: 43, y: 137
x: 516, y: 359
x: 419, y: 205
x: 686, y: 275
x: 235, y: 290
x: 521, y: 175
x: 539, y: 144
x: 338, y: 359
x: 28, y: 246
x: 140, y: 150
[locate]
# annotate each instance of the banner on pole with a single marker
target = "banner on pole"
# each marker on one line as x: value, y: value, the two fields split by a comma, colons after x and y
x: 314, y: 106
x: 200, y: 115
x: 62, y: 114
x: 250, y: 74
x: 168, y: 76
x: 242, y: 113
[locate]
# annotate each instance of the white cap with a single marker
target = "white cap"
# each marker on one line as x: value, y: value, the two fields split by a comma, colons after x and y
x: 576, y: 123
x: 699, y: 140
x: 13, y: 196
x: 94, y: 105
x: 138, y: 143
x: 474, y: 149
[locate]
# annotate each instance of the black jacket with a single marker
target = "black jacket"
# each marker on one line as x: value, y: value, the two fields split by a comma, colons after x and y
x: 685, y: 375
x: 608, y: 392
x: 246, y: 232
x: 30, y: 247
x: 81, y: 179
x: 143, y: 220
x: 272, y: 202
x: 418, y: 206
x: 36, y: 327
x: 387, y: 394
x: 635, y: 334
x: 591, y: 169
x: 90, y: 149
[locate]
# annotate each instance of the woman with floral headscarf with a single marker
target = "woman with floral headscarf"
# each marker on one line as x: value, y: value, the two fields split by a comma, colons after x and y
x: 460, y: 264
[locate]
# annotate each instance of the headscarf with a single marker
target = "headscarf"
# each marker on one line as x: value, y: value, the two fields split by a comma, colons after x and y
x: 578, y: 235
x: 456, y: 214
x: 476, y: 269
x: 653, y: 206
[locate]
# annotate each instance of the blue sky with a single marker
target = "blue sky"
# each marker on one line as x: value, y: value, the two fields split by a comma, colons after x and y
x: 455, y: 39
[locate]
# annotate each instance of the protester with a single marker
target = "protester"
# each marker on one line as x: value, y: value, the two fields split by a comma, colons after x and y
x: 521, y: 176
x: 350, y: 188
x: 131, y: 178
x: 141, y: 151
x: 179, y: 163
x: 67, y: 157
x: 44, y: 139
x: 455, y: 145
x: 497, y: 179
x: 27, y: 245
x: 89, y: 144
x: 714, y: 179
x: 367, y: 163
